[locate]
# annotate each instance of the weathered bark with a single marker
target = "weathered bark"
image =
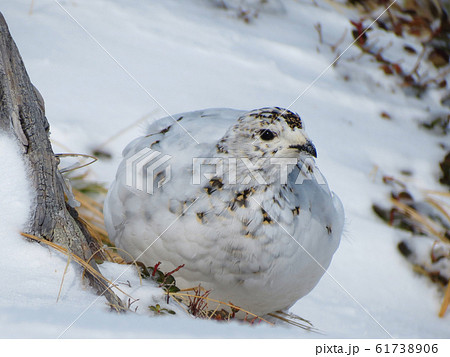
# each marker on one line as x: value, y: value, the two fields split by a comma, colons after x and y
x: 22, y: 114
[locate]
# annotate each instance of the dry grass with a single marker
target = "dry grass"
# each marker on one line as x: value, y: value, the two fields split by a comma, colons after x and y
x: 404, y: 214
x: 91, y: 214
x: 427, y: 224
x: 107, y: 284
x: 198, y: 304
x: 445, y: 302
x: 432, y: 228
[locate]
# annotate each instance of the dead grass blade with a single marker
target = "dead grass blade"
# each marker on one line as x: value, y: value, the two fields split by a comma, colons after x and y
x: 30, y: 11
x: 183, y: 307
x: 88, y: 202
x: 439, y: 206
x: 62, y: 280
x: 294, y: 320
x: 73, y: 168
x: 439, y: 193
x: 419, y: 218
x: 446, y: 301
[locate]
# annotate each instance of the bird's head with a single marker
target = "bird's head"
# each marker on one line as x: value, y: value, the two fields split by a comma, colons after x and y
x: 267, y: 142
x: 268, y: 132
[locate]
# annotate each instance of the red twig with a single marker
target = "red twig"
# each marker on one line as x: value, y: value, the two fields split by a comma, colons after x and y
x: 175, y: 270
x: 156, y: 268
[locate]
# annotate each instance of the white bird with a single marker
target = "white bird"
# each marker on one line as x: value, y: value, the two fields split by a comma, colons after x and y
x: 244, y: 208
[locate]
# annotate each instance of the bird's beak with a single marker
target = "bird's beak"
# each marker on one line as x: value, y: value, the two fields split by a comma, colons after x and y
x: 308, y: 148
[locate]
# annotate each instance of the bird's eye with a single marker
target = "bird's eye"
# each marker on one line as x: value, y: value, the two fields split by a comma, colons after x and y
x: 267, y: 135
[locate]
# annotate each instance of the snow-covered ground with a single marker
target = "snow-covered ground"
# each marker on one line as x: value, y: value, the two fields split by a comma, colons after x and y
x: 103, y: 64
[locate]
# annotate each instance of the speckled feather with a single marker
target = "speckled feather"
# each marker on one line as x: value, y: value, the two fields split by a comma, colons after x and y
x: 260, y: 246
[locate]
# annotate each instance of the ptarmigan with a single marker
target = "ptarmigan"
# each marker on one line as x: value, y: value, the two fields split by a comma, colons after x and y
x: 244, y: 208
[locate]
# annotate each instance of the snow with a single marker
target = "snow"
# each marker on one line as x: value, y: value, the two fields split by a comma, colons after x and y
x: 16, y: 196
x: 170, y: 56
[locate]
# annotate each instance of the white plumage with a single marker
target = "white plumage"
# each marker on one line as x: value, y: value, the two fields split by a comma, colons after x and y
x: 248, y: 235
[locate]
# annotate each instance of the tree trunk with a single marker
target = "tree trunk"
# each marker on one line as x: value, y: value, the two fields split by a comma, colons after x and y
x: 22, y: 115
